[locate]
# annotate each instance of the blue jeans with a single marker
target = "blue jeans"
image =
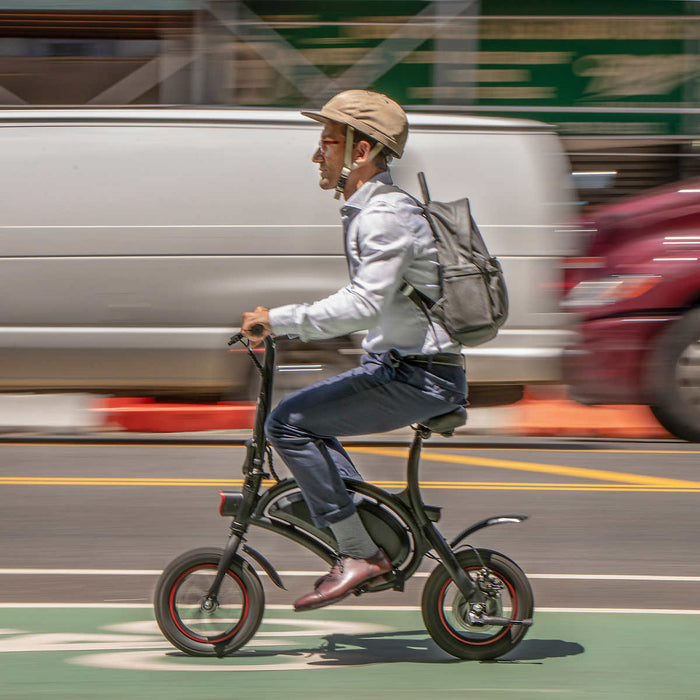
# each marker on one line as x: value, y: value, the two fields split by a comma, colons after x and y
x: 383, y: 393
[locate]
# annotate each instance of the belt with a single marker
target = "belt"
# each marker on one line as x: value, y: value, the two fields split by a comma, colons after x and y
x: 440, y: 358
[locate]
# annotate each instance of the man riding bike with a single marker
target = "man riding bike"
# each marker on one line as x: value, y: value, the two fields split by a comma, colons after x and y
x: 412, y: 369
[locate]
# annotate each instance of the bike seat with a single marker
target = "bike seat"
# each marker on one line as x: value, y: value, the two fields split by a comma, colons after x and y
x: 446, y: 423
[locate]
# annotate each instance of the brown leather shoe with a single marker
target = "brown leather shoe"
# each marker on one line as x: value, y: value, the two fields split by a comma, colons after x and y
x: 345, y: 576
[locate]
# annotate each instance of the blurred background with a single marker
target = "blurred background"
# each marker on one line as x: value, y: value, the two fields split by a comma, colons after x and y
x: 619, y: 80
x: 154, y: 162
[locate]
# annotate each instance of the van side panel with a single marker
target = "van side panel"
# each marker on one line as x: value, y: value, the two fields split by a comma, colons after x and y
x: 129, y: 250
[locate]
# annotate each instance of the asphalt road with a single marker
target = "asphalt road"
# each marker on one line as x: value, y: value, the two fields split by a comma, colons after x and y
x: 612, y: 524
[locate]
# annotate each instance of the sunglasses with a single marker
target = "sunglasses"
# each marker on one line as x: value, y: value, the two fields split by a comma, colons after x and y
x: 323, y: 144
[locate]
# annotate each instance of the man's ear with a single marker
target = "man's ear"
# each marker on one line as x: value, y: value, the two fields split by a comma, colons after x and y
x: 362, y: 150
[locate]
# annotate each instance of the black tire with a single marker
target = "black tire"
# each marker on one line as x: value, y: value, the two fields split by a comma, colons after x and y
x: 180, y: 590
x: 444, y: 609
x: 675, y: 374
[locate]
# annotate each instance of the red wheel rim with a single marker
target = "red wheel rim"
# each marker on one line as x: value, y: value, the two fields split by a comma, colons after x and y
x: 178, y: 621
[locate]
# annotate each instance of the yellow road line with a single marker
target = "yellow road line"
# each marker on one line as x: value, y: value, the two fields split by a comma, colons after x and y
x: 580, y: 472
x: 451, y: 485
x: 470, y: 448
x: 597, y: 450
x: 164, y: 481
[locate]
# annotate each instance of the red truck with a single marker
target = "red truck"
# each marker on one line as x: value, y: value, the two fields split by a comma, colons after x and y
x: 636, y: 295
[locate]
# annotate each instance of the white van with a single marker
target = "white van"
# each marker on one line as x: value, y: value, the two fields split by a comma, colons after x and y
x: 132, y: 240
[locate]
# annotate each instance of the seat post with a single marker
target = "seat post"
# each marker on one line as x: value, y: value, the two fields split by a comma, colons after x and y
x: 412, y: 480
x: 431, y: 533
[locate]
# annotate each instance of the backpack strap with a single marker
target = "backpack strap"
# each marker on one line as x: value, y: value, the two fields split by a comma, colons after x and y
x: 422, y: 301
x: 416, y: 296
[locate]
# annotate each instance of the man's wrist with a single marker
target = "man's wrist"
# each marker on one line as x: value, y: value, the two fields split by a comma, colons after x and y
x: 282, y: 320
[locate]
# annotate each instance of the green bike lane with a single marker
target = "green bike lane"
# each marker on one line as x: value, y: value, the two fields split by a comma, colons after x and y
x: 344, y: 652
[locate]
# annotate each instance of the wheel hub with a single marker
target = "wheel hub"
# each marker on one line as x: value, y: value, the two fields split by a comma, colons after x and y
x: 209, y: 605
x: 688, y: 373
x: 486, y: 603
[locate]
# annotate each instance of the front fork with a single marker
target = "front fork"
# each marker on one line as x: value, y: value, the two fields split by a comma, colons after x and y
x: 255, y: 473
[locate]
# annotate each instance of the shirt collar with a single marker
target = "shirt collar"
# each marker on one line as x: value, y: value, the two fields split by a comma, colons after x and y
x: 361, y: 197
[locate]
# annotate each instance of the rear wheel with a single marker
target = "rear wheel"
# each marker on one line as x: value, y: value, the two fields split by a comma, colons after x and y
x: 676, y: 378
x: 504, y: 591
x: 198, y: 629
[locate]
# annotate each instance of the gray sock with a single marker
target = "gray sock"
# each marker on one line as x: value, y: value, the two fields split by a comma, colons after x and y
x: 353, y: 540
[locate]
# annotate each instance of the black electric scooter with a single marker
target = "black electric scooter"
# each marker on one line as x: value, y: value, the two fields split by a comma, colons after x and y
x: 476, y: 604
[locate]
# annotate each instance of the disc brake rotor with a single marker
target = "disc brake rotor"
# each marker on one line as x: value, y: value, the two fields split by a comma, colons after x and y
x: 488, y: 601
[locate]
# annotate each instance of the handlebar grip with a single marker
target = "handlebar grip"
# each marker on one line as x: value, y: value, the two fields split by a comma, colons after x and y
x: 257, y: 329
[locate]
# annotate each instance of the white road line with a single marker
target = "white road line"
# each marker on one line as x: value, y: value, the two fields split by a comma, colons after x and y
x: 81, y: 572
x: 636, y: 611
x: 612, y: 577
x: 378, y: 608
x: 296, y: 573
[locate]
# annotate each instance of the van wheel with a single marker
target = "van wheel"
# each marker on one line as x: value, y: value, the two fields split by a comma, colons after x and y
x: 676, y: 380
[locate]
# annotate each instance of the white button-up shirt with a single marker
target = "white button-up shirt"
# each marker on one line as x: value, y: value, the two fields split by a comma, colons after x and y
x: 387, y: 240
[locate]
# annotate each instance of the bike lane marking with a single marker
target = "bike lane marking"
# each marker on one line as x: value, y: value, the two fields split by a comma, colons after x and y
x: 117, y: 653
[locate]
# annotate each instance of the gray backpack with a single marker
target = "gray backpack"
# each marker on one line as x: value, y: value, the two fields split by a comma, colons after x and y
x: 473, y: 302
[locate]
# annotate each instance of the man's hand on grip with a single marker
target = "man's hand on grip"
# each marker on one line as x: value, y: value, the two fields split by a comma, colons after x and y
x: 256, y: 325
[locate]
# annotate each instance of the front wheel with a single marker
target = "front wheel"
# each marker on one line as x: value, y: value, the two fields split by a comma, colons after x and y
x: 503, y: 591
x: 208, y: 630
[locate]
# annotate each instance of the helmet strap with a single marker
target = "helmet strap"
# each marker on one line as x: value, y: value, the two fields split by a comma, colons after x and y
x: 348, y: 165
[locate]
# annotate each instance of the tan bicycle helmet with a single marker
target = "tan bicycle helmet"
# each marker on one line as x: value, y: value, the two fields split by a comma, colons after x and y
x: 370, y: 113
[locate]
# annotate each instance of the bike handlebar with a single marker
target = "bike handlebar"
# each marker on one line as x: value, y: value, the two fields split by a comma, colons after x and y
x: 259, y: 442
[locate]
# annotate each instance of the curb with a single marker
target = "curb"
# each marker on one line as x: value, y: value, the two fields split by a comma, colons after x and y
x: 559, y: 417
x: 144, y: 415
x: 544, y: 411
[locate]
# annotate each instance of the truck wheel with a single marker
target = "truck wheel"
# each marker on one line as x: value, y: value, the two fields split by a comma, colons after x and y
x: 676, y: 378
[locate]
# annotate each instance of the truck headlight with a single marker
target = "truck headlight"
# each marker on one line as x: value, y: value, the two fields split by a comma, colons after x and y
x: 609, y: 290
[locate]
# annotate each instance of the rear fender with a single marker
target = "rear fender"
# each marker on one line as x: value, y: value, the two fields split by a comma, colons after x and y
x: 487, y: 522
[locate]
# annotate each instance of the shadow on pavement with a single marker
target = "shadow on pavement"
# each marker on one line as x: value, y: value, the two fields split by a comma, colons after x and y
x: 405, y: 647
x: 539, y: 649
x: 383, y: 647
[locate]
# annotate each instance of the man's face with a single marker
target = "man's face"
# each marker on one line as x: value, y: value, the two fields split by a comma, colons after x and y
x: 330, y: 154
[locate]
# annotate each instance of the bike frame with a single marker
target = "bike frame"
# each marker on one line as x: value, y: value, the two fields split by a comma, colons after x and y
x: 250, y: 507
